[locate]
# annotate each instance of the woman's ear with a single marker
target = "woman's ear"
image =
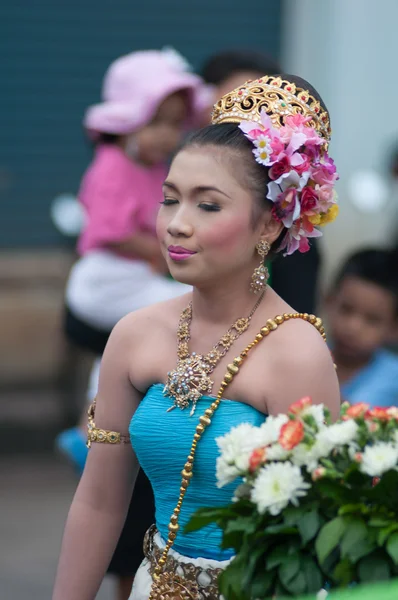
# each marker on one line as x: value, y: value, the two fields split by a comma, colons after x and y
x: 270, y: 228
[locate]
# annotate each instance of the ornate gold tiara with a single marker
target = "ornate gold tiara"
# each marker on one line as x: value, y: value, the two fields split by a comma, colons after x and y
x: 278, y: 97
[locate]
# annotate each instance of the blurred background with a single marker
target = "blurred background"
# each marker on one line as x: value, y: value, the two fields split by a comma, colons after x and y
x: 54, y: 55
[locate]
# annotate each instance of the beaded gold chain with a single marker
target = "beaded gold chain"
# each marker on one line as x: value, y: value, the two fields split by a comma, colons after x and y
x: 166, y: 585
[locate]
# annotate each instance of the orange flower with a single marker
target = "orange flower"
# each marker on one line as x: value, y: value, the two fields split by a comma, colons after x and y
x: 256, y: 459
x: 291, y: 434
x: 378, y: 413
x: 357, y: 410
x: 297, y: 407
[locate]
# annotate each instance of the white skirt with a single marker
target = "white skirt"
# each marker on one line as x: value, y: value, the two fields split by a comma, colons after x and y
x: 104, y: 287
x: 143, y: 580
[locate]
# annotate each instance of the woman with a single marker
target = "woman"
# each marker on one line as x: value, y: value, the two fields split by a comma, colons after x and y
x: 254, y: 181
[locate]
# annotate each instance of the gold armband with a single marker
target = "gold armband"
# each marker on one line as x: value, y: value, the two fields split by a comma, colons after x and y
x: 103, y: 436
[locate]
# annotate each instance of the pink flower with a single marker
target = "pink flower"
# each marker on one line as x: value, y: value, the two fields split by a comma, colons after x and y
x: 324, y: 173
x: 279, y: 168
x: 287, y: 207
x: 305, y: 165
x: 309, y: 199
x: 318, y: 473
x: 277, y: 147
x: 297, y: 237
x: 299, y: 124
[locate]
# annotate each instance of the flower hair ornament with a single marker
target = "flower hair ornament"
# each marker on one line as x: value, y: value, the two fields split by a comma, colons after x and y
x: 290, y: 132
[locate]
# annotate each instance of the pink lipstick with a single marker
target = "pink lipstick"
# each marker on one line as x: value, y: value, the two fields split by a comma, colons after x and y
x: 179, y: 253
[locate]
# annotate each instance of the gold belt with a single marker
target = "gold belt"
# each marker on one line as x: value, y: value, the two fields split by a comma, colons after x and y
x: 203, y: 581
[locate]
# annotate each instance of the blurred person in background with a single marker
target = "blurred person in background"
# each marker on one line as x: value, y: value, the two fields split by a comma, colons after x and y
x: 362, y: 312
x: 294, y: 278
x: 148, y: 102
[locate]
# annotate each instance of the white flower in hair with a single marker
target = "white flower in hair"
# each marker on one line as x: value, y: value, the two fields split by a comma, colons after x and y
x: 277, y: 485
x: 290, y: 180
x: 379, y: 458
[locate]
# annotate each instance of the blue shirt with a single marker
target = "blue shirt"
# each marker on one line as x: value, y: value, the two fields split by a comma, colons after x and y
x: 375, y: 384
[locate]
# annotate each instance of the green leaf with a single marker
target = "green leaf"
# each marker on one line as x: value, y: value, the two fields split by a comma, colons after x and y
x: 262, y: 585
x: 355, y: 533
x: 205, y: 516
x: 312, y: 574
x: 309, y: 525
x: 290, y: 575
x: 289, y: 569
x: 385, y: 532
x: 329, y: 537
x: 276, y: 557
x: 344, y: 572
x: 392, y: 547
x: 353, y: 508
x: 373, y: 568
x: 293, y: 514
x: 280, y: 530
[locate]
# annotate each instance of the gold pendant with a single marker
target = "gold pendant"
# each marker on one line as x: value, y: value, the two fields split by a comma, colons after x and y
x: 172, y: 587
x: 188, y: 382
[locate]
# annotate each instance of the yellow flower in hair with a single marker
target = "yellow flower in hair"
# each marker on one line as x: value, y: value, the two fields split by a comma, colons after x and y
x: 315, y: 219
x: 331, y: 215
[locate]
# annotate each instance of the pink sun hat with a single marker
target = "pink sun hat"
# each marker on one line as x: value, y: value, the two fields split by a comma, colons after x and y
x: 135, y: 85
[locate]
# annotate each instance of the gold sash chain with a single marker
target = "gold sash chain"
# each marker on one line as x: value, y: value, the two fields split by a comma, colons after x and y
x: 166, y: 585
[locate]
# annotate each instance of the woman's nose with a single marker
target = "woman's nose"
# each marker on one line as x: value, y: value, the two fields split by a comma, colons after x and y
x: 180, y: 224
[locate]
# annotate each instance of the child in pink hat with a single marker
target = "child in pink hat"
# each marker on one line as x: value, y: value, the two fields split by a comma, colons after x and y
x: 148, y: 102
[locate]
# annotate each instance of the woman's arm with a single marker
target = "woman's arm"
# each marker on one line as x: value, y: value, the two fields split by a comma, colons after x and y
x: 102, y: 498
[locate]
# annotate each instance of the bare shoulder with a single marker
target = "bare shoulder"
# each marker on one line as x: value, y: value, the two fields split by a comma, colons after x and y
x: 161, y: 315
x: 302, y: 365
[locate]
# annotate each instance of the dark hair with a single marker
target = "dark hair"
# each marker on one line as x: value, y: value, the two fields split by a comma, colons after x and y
x: 228, y: 135
x: 376, y: 266
x: 220, y: 66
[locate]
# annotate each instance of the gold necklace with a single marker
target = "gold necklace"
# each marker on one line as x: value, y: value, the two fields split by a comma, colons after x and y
x: 190, y: 380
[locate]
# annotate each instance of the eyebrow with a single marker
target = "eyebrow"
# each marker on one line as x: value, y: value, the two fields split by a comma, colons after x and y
x: 200, y: 189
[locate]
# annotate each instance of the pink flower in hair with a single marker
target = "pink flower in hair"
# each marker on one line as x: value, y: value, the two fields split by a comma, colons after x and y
x: 298, y: 124
x: 324, y: 172
x: 297, y: 237
x: 287, y: 207
x: 327, y: 196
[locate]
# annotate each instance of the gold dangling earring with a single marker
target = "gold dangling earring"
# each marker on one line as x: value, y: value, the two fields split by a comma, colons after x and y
x: 261, y: 274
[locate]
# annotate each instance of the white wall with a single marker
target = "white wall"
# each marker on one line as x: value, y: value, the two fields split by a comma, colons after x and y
x: 348, y: 49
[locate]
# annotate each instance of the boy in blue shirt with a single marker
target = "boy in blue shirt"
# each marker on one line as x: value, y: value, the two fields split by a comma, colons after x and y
x: 362, y: 320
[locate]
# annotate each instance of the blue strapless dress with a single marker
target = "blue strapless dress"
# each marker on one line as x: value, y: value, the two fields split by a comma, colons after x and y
x: 162, y: 442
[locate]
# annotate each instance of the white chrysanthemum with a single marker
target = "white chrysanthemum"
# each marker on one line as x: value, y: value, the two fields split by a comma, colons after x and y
x: 338, y: 434
x: 276, y: 452
x: 379, y: 458
x: 268, y: 432
x: 276, y: 485
x: 317, y: 412
x: 236, y: 447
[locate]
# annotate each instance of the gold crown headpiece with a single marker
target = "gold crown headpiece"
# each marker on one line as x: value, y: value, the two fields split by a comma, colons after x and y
x: 279, y: 98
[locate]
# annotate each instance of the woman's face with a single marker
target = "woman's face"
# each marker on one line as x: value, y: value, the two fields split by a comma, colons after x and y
x: 205, y: 225
x: 159, y: 139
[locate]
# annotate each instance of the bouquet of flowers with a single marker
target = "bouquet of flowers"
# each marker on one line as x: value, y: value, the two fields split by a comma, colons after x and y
x: 316, y: 504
